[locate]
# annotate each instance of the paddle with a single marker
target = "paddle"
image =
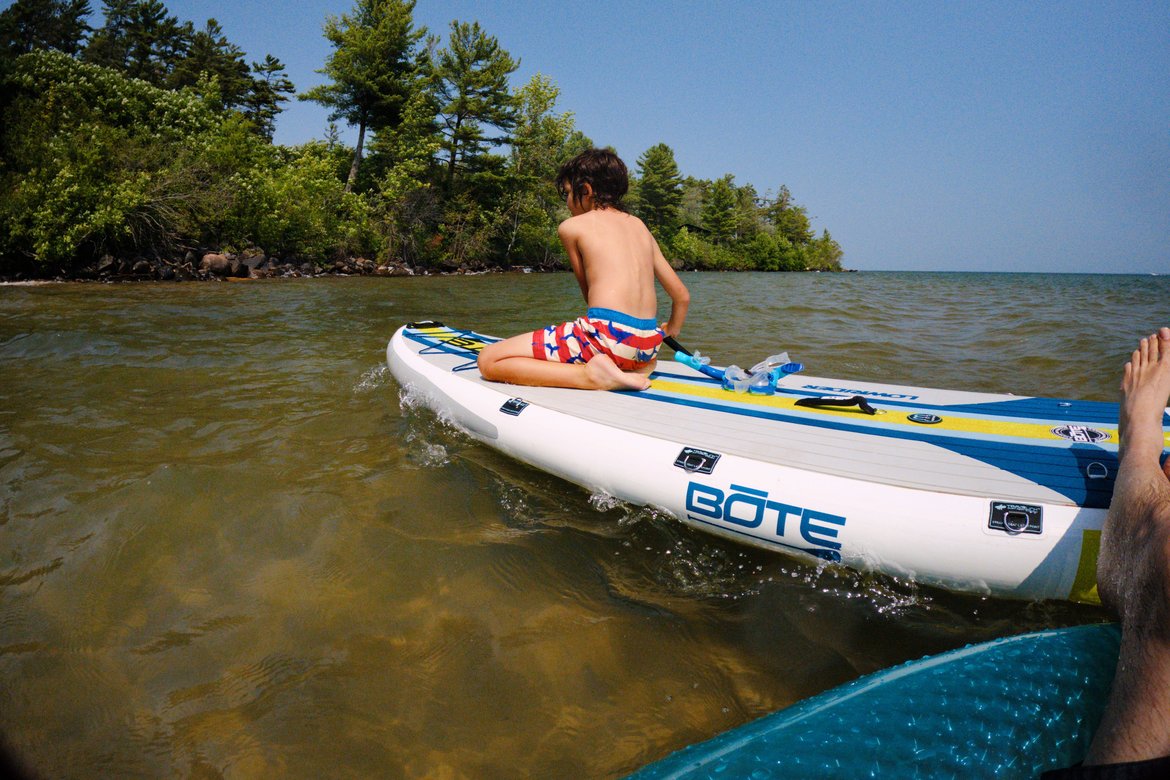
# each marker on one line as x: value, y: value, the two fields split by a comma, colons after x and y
x: 670, y: 342
x: 687, y: 358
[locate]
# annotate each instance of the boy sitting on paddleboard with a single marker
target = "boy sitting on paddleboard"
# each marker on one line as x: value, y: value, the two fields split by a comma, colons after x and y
x: 616, y: 260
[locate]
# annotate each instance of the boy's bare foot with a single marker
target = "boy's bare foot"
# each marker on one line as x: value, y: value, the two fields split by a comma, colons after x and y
x: 605, y: 375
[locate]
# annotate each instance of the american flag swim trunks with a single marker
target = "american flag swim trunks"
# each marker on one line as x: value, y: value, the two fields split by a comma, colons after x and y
x: 631, y: 342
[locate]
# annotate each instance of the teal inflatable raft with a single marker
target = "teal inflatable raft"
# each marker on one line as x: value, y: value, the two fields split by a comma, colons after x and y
x: 1011, y: 708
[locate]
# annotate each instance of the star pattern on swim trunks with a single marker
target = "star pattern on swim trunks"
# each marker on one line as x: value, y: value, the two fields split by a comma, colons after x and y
x: 620, y: 336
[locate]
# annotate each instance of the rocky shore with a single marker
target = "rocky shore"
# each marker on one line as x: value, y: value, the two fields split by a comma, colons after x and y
x: 223, y: 266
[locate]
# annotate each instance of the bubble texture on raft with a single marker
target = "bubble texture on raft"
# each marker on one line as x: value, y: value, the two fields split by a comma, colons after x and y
x: 1012, y: 707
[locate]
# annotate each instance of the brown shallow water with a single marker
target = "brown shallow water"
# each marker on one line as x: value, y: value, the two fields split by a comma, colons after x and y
x: 228, y: 548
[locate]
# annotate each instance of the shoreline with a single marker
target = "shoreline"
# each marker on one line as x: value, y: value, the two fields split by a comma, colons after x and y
x: 228, y: 267
x: 231, y: 267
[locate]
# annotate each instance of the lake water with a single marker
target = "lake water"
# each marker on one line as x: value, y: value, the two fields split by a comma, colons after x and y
x: 227, y: 548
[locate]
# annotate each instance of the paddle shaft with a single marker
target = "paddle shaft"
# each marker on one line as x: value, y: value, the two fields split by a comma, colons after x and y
x: 670, y: 342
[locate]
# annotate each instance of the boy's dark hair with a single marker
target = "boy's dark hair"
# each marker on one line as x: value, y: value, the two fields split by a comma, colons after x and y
x: 601, y: 169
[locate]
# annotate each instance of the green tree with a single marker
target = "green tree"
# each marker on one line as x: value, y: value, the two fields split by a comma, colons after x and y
x: 210, y: 55
x: 109, y: 45
x: 824, y: 254
x: 789, y: 219
x: 695, y: 253
x: 28, y: 25
x: 139, y: 39
x: 270, y: 87
x: 719, y: 211
x: 541, y: 141
x: 403, y: 161
x: 85, y: 154
x: 660, y: 193
x: 373, y: 70
x: 402, y: 158
x: 292, y: 203
x: 747, y: 213
x: 471, y: 84
x: 694, y: 193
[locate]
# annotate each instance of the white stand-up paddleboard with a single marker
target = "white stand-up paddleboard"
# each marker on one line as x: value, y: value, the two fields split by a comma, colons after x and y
x: 976, y: 492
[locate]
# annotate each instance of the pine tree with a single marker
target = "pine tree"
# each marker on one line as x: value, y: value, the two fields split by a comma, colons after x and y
x: 542, y: 139
x: 139, y: 39
x: 270, y: 88
x: 719, y: 210
x: 372, y: 68
x: 28, y: 25
x: 660, y: 191
x: 471, y: 84
x: 790, y: 220
x: 747, y: 213
x: 211, y: 54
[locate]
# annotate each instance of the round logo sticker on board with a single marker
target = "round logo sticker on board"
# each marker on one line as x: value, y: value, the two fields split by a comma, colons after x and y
x: 923, y: 418
x: 1080, y: 433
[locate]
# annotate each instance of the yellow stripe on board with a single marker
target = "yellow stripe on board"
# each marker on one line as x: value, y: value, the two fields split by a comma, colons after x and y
x: 448, y: 336
x: 1084, y: 587
x: 953, y: 422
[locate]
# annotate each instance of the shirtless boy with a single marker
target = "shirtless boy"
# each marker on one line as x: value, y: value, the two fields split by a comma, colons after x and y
x: 616, y: 260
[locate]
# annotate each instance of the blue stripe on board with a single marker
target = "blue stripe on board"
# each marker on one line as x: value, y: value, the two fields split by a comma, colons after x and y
x: 1028, y: 408
x: 432, y: 345
x: 1061, y: 469
x: 1101, y: 412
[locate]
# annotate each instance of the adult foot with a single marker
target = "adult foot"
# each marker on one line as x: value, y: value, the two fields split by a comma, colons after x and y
x: 1145, y: 391
x: 1133, y: 569
x: 605, y: 375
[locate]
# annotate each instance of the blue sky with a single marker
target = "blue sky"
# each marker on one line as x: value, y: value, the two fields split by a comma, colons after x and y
x: 1015, y: 136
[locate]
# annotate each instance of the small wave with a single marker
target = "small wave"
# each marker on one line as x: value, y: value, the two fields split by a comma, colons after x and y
x: 425, y: 453
x: 604, y: 502
x: 415, y: 405
x: 706, y: 571
x: 411, y: 400
x: 887, y: 595
x: 373, y: 379
x: 430, y: 437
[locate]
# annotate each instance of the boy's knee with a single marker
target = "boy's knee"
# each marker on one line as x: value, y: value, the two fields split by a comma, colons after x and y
x: 486, y: 363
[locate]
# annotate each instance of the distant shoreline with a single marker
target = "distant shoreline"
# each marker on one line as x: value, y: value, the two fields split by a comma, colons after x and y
x: 223, y: 266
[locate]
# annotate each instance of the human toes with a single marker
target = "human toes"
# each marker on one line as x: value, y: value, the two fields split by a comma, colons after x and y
x: 1160, y: 344
x: 1141, y: 355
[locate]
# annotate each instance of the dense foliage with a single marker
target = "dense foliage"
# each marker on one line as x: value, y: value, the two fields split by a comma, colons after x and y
x: 147, y: 137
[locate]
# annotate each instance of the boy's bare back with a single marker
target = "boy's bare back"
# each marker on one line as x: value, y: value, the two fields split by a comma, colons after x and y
x: 616, y: 261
